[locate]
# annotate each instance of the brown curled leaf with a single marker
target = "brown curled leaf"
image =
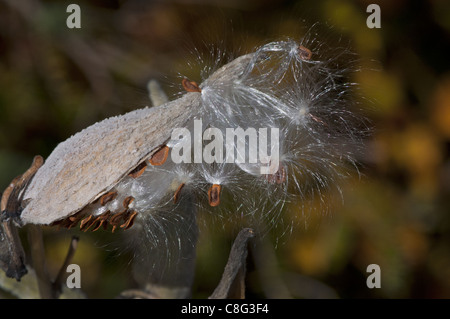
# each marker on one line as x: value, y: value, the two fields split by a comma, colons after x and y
x: 214, y: 195
x: 190, y: 86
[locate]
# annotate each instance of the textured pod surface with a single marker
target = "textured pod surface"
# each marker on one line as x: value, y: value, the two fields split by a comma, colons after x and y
x: 85, y: 166
x: 88, y: 164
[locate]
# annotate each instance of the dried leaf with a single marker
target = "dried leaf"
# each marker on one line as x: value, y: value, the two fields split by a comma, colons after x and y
x: 232, y: 284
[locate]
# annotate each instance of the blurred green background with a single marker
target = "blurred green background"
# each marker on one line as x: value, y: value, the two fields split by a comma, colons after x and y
x: 55, y: 81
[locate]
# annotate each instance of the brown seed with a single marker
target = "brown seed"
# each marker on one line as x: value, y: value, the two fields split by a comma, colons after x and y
x: 74, y: 219
x: 278, y: 177
x: 305, y: 54
x: 115, y: 219
x: 85, y: 220
x: 65, y: 223
x: 190, y: 86
x: 160, y: 156
x: 107, y: 198
x: 86, y: 223
x: 96, y: 223
x: 100, y: 220
x: 129, y: 221
x: 87, y: 226
x: 138, y: 171
x: 72, y: 224
x: 214, y: 195
x: 176, y: 196
x: 127, y: 201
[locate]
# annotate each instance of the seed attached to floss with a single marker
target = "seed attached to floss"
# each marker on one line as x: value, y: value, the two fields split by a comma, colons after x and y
x: 69, y: 222
x: 214, y: 195
x: 86, y: 223
x: 127, y: 201
x: 279, y: 177
x: 190, y: 86
x: 305, y: 54
x: 100, y: 220
x: 115, y: 220
x: 160, y: 156
x: 138, y: 171
x: 129, y: 220
x: 245, y: 94
x: 107, y: 198
x: 176, y: 196
x: 73, y: 220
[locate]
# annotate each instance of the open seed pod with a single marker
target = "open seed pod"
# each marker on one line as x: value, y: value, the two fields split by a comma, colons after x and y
x: 118, y: 171
x: 83, y: 170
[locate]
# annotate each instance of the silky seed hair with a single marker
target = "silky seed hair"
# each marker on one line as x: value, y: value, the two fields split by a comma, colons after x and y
x: 300, y: 87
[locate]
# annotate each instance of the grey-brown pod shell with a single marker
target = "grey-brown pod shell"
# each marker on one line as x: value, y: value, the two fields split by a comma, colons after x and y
x: 88, y: 164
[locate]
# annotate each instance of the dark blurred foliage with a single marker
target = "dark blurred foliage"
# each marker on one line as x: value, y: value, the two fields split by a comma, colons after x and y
x: 55, y: 81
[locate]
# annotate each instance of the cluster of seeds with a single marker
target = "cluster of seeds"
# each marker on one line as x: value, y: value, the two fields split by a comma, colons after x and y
x: 113, y: 208
x: 286, y: 85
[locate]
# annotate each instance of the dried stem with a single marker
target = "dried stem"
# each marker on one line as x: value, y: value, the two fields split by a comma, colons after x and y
x: 232, y: 284
x: 57, y: 284
x: 39, y: 263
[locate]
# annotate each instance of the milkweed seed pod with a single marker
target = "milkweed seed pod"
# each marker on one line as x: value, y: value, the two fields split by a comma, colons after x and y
x: 292, y: 97
x: 83, y: 171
